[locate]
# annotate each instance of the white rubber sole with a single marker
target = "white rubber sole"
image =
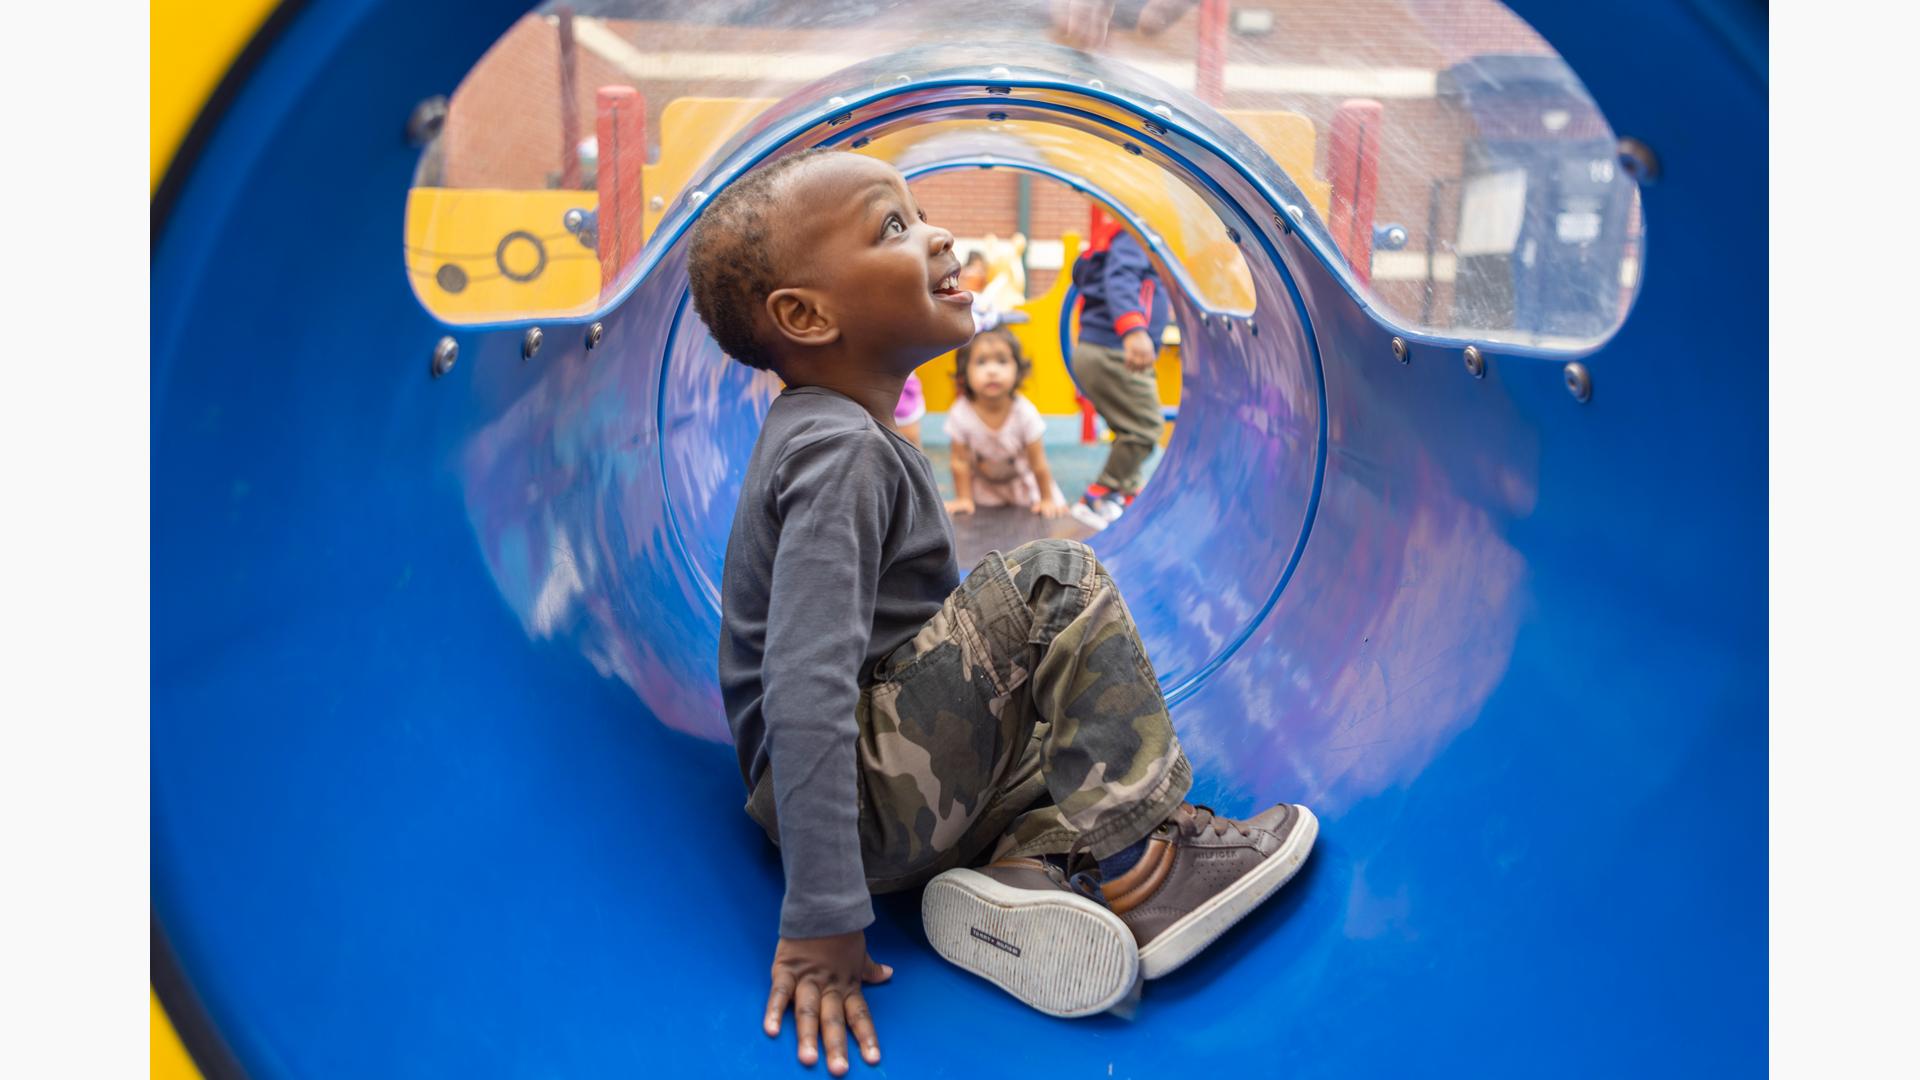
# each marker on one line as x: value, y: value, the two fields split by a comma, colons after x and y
x: 1202, y: 926
x: 1085, y: 515
x: 1060, y: 953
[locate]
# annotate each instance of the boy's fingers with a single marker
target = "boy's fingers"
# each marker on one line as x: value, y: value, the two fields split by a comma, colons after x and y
x: 833, y: 1031
x: 876, y: 972
x: 861, y: 1021
x: 777, y: 1005
x: 806, y: 1020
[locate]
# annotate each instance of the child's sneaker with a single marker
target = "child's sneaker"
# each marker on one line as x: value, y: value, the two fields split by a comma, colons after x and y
x: 1202, y: 873
x: 1021, y: 924
x: 1099, y: 507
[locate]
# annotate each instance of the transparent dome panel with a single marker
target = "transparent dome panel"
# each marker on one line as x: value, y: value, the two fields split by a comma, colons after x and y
x: 1450, y: 166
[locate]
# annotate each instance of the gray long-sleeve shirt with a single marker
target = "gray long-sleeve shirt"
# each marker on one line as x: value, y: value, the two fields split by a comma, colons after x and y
x: 840, y: 551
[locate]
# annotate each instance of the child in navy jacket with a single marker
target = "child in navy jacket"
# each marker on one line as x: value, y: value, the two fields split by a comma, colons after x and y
x: 1122, y: 315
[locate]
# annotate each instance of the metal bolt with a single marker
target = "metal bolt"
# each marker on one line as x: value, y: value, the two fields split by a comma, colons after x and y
x: 1298, y: 215
x: 996, y: 117
x: 530, y: 344
x: 1579, y: 382
x: 426, y: 120
x: 1153, y: 128
x: 445, y: 352
x: 861, y: 142
x: 656, y: 203
x: 1204, y: 321
x: 1253, y: 328
x: 696, y: 198
x: 1476, y: 363
x: 1000, y: 72
x: 594, y: 334
x: 836, y: 102
x: 1284, y: 225
x: 1096, y: 84
x: 841, y: 119
x: 902, y: 80
x: 1639, y: 160
x: 1163, y: 109
x: 1400, y: 351
x: 1001, y: 91
x: 1132, y: 149
x: 1233, y: 234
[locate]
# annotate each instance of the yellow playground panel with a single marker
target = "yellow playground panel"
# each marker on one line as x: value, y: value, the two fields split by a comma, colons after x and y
x: 480, y: 255
x: 1049, y: 387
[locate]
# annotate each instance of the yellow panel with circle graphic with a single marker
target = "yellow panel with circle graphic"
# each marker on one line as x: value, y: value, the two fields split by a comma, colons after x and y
x: 476, y: 254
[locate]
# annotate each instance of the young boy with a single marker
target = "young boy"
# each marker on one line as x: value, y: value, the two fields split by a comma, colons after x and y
x: 893, y: 724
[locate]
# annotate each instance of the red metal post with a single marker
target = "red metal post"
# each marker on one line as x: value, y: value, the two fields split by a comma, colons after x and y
x: 1210, y: 52
x: 569, y: 104
x: 621, y: 127
x: 1353, y: 164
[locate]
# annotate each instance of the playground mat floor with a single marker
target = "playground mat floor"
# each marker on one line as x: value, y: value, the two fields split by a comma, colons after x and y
x: 1003, y: 528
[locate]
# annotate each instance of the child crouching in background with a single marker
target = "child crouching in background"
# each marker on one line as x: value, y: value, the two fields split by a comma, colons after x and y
x: 998, y: 456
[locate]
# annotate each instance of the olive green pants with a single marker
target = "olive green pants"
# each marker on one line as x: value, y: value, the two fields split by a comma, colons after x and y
x: 1023, y: 719
x: 1129, y: 401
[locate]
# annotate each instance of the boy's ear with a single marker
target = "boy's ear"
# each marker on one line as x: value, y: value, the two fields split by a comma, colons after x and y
x: 799, y: 317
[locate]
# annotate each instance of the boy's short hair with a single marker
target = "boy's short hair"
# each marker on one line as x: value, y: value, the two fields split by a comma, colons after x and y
x: 1022, y: 367
x: 731, y: 257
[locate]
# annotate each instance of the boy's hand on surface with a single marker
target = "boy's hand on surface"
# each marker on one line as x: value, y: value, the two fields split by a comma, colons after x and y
x: 1139, y: 348
x: 820, y: 978
x: 1049, y: 507
x: 959, y: 506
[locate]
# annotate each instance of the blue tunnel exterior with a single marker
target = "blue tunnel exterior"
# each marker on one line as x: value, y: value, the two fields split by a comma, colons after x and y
x: 439, y: 778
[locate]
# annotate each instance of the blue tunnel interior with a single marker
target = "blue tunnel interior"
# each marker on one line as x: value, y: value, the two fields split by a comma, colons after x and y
x: 440, y: 781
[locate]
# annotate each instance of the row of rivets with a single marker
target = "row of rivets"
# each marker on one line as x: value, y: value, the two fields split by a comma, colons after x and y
x: 1578, y: 379
x: 446, y: 351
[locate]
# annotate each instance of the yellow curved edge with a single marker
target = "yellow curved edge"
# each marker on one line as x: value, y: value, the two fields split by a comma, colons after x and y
x: 190, y: 46
x: 168, y: 1059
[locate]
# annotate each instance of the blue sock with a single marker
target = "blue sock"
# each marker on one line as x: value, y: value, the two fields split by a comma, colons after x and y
x: 1122, y: 861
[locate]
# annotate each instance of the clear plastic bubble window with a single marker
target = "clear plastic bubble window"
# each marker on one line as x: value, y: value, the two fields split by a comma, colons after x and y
x: 1437, y: 152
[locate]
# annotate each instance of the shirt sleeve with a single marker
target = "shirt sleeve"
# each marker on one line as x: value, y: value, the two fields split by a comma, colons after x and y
x: 951, y: 426
x: 1032, y: 428
x: 834, y: 499
x: 1128, y: 283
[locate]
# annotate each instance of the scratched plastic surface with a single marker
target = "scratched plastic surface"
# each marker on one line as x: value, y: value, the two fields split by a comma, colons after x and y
x: 437, y: 780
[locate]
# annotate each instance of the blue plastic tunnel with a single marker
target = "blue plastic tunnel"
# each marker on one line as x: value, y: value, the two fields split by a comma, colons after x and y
x: 440, y: 783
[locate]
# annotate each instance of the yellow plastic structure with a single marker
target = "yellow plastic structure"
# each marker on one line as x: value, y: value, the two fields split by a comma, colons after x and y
x: 485, y: 233
x: 509, y: 252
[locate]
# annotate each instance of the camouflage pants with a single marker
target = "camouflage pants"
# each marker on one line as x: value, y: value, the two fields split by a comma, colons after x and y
x: 1023, y: 718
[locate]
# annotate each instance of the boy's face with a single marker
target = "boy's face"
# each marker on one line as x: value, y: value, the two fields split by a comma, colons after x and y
x: 868, y: 259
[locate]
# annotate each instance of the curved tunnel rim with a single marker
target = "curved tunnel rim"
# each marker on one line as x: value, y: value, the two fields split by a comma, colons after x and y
x: 1187, y: 170
x: 711, y: 589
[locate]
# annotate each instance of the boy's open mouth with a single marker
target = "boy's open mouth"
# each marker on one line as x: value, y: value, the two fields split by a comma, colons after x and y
x: 948, y: 288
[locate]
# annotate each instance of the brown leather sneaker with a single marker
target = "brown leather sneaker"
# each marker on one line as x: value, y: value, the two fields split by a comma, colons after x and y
x: 1021, y: 924
x: 1202, y: 873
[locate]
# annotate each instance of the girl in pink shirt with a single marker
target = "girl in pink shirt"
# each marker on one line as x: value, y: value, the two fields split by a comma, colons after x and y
x: 998, y: 457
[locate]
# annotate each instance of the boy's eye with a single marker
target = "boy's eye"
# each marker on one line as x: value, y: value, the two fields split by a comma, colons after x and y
x: 895, y: 224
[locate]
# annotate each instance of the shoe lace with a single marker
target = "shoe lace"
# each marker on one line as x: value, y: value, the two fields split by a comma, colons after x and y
x: 1197, y: 819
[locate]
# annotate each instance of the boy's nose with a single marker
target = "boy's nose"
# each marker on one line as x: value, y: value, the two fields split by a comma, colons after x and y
x: 941, y: 241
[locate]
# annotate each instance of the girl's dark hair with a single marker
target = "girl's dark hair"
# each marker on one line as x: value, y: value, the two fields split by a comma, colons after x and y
x: 1022, y: 367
